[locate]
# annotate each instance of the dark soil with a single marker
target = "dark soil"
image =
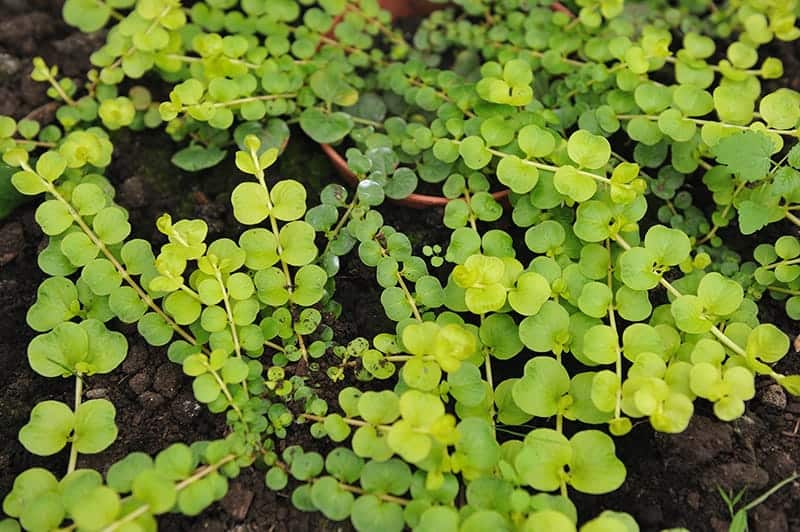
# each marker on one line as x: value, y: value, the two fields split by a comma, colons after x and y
x: 672, y: 480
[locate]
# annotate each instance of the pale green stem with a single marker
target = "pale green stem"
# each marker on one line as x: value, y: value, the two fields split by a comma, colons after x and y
x: 279, y: 249
x: 653, y: 118
x: 73, y: 449
x: 112, y: 259
x: 612, y: 321
x: 182, y: 485
x: 231, y: 322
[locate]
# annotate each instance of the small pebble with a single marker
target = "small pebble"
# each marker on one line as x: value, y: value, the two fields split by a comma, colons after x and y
x: 9, y: 65
x: 773, y: 396
x: 12, y: 240
x: 97, y: 393
x: 237, y: 501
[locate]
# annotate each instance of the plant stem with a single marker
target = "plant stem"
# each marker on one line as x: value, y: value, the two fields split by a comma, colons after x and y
x: 229, y: 311
x: 349, y: 421
x: 490, y: 379
x: 725, y: 211
x: 274, y: 227
x: 784, y: 290
x: 112, y: 259
x: 73, y: 449
x: 404, y: 288
x: 721, y: 336
x: 612, y: 321
x: 182, y: 485
x: 782, y: 263
x: 263, y: 97
x: 771, y: 491
x: 553, y: 168
x: 653, y: 118
x: 37, y: 143
x: 792, y: 218
x: 274, y: 346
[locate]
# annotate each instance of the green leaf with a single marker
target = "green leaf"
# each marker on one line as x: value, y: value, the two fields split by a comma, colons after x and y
x: 325, y: 128
x: 50, y: 166
x: 111, y: 225
x: 540, y: 390
x: 331, y: 87
x: 288, y: 200
x: 688, y: 311
x: 250, y: 203
x: 601, y: 344
x: 670, y: 246
x: 767, y: 342
x: 529, y: 294
x: 297, y: 240
x: 95, y: 427
x: 747, y: 154
x: 781, y: 109
x: 499, y: 332
x: 176, y: 462
x: 516, y: 174
x: 120, y: 475
x: 369, y: 513
x: 56, y: 302
x: 195, y: 157
x: 571, y: 182
x: 330, y: 499
x: 87, y: 15
x: 588, y: 150
x: 595, y: 468
x: 154, y: 489
x: 48, y: 429
x: 541, y: 461
x: 53, y: 217
x: 720, y: 296
x: 752, y: 216
x: 595, y: 299
x: 59, y: 352
x: 30, y: 486
x: 638, y: 268
x: 535, y: 141
x: 474, y: 152
x: 546, y: 331
x: 97, y: 509
x: 154, y: 329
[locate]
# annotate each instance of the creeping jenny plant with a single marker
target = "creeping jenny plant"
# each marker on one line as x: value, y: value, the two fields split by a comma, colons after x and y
x: 605, y: 292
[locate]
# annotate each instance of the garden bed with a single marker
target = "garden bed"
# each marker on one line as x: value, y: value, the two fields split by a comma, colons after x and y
x: 672, y: 480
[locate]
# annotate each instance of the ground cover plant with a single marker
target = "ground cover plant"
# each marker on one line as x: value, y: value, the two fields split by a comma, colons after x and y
x: 593, y: 293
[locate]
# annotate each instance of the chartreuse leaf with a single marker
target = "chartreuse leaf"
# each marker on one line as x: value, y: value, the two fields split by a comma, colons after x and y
x: 539, y: 392
x: 95, y: 426
x: 529, y: 294
x: 35, y: 500
x: 589, y: 456
x: 482, y: 278
x: 588, y: 150
x: 547, y: 330
x: 334, y: 502
x: 48, y: 429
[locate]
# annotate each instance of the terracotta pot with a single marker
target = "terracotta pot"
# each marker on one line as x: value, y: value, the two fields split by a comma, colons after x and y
x: 406, y: 8
x: 414, y: 201
x: 409, y: 8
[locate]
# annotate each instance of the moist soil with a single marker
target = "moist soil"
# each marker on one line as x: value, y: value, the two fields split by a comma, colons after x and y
x: 673, y: 480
